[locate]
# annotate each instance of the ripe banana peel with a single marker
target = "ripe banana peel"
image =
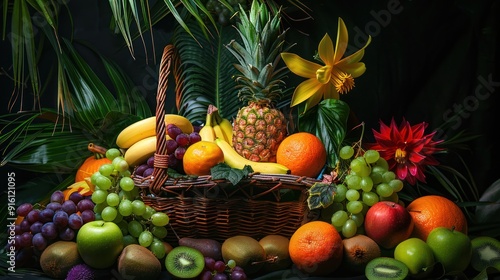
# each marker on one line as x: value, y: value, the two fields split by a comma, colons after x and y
x: 140, y: 151
x: 147, y: 127
x: 235, y: 160
x: 207, y: 132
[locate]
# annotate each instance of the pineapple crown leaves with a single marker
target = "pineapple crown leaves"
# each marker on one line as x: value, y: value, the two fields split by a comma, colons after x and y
x: 259, y: 54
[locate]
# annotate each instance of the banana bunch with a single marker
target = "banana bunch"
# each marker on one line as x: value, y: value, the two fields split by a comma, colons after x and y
x: 139, y: 139
x: 216, y: 127
x: 235, y: 160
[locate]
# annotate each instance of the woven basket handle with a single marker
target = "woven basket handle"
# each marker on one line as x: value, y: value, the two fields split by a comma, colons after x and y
x: 160, y: 174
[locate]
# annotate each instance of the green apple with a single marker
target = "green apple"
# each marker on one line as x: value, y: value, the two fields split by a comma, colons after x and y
x: 452, y: 248
x: 417, y: 256
x: 99, y: 243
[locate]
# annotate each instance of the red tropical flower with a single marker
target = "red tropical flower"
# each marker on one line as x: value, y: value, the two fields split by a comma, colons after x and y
x: 406, y: 149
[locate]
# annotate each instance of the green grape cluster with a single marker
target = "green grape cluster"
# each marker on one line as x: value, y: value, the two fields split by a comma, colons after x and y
x: 367, y: 182
x: 220, y: 12
x: 117, y: 200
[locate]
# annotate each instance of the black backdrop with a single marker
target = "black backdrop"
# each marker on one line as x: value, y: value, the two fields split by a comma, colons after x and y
x: 427, y: 60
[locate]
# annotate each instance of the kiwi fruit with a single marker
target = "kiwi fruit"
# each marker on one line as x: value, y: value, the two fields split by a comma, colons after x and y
x: 138, y: 262
x: 358, y: 251
x: 485, y: 253
x: 245, y: 251
x: 277, y: 255
x: 208, y: 247
x: 58, y: 258
x: 383, y: 268
x: 184, y: 262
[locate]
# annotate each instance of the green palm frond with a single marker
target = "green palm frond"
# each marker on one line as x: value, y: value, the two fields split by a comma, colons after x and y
x: 207, y: 74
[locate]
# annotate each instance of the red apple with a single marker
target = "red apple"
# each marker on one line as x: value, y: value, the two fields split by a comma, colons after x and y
x: 388, y: 223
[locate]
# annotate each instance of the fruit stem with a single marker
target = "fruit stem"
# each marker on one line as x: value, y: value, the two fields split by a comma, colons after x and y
x: 99, y: 151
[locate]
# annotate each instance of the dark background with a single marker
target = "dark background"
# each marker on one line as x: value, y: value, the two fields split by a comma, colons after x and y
x: 427, y: 61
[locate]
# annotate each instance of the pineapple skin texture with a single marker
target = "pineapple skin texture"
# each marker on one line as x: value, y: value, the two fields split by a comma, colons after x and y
x: 257, y: 132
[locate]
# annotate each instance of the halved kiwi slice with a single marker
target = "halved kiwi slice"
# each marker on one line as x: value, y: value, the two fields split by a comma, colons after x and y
x: 485, y: 253
x: 382, y: 268
x: 184, y: 262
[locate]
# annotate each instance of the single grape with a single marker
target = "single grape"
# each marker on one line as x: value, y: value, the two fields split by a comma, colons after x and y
x: 354, y: 182
x: 33, y: 216
x: 112, y: 153
x: 125, y: 208
x: 138, y: 207
x: 24, y: 209
x: 231, y: 264
x: 25, y: 225
x: 109, y: 213
x: 352, y: 195
x: 388, y: 176
x: 46, y: 215
x: 118, y: 217
x: 126, y: 173
x: 220, y: 266
x: 346, y: 152
x: 173, y: 131
x: 75, y: 197
x: 49, y: 230
x: 396, y: 185
x: 357, y: 164
x: 173, y: 162
x: 39, y: 242
x: 339, y: 218
x: 148, y: 172
x: 103, y: 182
x: 120, y: 164
x: 135, y: 228
x: 369, y: 198
x: 67, y: 234
x: 106, y: 169
x: 382, y: 163
x: 69, y: 207
x: 36, y: 227
x: 129, y: 239
x: 132, y: 195
x: 60, y: 219
x: 194, y: 137
x: 57, y: 196
x: 26, y: 239
x: 99, y: 196
x: 384, y: 190
x: 206, y: 275
x: 54, y: 206
x: 159, y: 219
x: 179, y: 152
x: 157, y: 249
x: 359, y: 218
x: 393, y: 197
x: 349, y: 229
x: 75, y: 221
x: 376, y: 177
x: 94, y: 176
x: 238, y: 275
x: 371, y: 156
x: 99, y: 207
x: 366, y: 183
x: 85, y: 204
x: 145, y: 238
x: 149, y: 212
x: 171, y: 146
x: 354, y: 206
x: 87, y: 216
x: 113, y: 199
x: 340, y: 193
x: 160, y: 232
x: 127, y: 184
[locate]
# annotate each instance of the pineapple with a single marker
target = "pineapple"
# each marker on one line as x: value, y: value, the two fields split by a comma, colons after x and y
x: 259, y: 127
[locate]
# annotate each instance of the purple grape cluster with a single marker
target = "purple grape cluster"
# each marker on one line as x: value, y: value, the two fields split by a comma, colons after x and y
x: 60, y: 219
x: 176, y: 147
x: 219, y: 270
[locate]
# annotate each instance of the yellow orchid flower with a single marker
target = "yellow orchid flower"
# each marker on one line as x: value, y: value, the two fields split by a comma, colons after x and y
x: 329, y: 80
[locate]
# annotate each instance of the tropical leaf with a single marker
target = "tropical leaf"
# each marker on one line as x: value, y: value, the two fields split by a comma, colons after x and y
x: 206, y: 74
x: 328, y: 121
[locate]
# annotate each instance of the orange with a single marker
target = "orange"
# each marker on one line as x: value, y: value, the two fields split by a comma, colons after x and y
x: 200, y: 157
x: 303, y: 153
x: 431, y: 211
x: 316, y: 248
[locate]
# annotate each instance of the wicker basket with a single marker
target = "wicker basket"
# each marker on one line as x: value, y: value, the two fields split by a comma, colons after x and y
x: 202, y: 207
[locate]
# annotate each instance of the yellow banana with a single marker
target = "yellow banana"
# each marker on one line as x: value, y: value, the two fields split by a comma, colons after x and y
x: 136, y: 132
x: 219, y: 133
x: 235, y: 160
x: 147, y: 127
x: 140, y: 151
x: 227, y: 128
x: 207, y: 133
